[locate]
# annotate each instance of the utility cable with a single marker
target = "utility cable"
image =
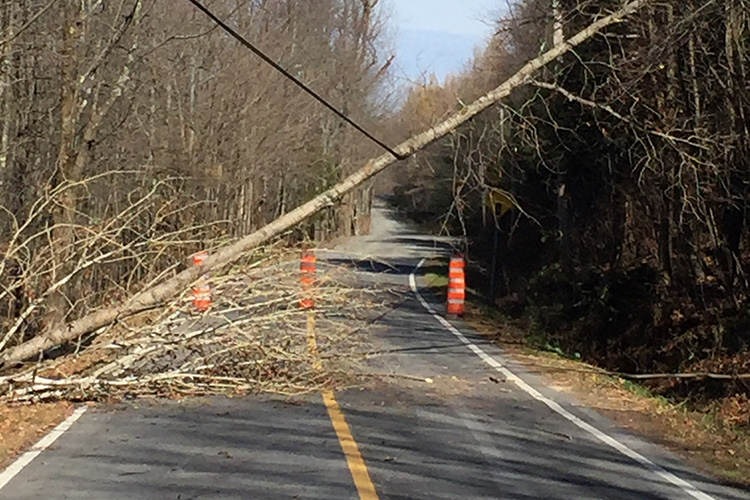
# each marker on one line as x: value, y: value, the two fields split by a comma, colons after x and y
x: 258, y: 52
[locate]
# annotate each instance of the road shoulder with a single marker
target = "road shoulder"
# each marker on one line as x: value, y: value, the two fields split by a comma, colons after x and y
x: 722, y: 453
x: 22, y: 425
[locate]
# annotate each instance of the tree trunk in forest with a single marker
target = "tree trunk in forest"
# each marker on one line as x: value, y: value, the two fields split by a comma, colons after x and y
x: 564, y: 221
x: 565, y: 225
x: 63, y: 216
x: 7, y: 23
x: 733, y: 220
x: 665, y: 235
x: 619, y: 227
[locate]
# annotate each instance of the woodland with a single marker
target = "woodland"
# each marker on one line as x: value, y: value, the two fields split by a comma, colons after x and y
x: 605, y: 202
x: 135, y: 133
x: 602, y: 193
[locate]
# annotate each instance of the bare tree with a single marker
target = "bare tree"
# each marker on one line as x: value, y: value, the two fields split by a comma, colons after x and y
x: 103, y: 101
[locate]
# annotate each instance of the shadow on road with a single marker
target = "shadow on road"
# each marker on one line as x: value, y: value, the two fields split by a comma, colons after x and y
x: 443, y: 246
x: 405, y: 267
x: 490, y: 451
x: 223, y: 449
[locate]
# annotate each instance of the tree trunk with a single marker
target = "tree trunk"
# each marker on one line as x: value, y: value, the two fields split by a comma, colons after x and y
x: 63, y: 216
x: 733, y: 220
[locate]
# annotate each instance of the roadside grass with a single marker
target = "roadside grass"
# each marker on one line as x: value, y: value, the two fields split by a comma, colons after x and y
x: 642, y: 391
x: 437, y: 281
x: 433, y: 280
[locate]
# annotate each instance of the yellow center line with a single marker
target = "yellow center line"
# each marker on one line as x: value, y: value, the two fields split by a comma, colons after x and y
x: 354, y: 459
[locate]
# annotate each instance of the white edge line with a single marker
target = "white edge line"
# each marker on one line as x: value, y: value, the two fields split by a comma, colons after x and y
x: 21, y: 462
x: 600, y: 435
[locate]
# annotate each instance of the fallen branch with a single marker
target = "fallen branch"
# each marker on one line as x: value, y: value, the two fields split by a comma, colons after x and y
x: 253, y: 339
x: 163, y: 292
x: 653, y: 376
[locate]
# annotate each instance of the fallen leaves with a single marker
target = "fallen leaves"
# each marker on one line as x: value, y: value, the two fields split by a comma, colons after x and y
x: 23, y: 425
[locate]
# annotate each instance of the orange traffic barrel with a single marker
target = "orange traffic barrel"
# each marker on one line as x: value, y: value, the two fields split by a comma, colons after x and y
x: 202, y: 289
x: 457, y: 286
x: 307, y: 279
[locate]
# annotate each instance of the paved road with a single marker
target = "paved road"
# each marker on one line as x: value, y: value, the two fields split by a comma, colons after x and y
x: 476, y: 432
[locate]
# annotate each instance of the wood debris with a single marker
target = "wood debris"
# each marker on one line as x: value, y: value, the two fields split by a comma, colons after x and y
x: 253, y: 339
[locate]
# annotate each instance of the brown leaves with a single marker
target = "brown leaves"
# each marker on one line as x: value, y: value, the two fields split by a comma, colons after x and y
x: 22, y: 425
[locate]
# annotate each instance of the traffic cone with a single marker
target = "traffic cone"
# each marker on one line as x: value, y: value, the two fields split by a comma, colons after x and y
x: 457, y: 286
x: 202, y: 289
x: 307, y: 279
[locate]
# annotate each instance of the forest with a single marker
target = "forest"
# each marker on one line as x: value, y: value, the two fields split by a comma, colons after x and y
x: 605, y: 202
x: 135, y: 133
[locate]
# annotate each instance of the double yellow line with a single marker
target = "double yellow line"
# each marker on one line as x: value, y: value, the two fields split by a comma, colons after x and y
x: 354, y: 460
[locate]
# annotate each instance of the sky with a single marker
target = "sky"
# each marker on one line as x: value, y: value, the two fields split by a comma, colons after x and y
x: 438, y: 36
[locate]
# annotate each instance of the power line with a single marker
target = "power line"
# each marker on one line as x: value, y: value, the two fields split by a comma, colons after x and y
x: 258, y: 52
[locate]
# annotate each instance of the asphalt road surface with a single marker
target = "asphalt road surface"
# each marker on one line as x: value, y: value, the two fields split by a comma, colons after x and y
x: 482, y: 429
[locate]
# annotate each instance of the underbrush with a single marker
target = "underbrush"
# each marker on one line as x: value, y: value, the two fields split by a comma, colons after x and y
x: 632, y: 322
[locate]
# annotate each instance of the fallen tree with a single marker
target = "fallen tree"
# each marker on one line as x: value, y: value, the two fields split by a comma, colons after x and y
x: 254, y: 339
x: 157, y: 295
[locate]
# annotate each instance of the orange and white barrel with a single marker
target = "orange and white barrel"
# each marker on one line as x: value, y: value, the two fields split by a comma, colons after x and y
x: 457, y: 286
x: 307, y: 270
x: 202, y: 289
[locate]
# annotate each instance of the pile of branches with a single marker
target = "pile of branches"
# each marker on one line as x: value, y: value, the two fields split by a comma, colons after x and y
x: 254, y: 338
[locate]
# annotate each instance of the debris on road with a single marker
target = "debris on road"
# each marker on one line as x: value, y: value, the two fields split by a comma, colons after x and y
x: 253, y: 339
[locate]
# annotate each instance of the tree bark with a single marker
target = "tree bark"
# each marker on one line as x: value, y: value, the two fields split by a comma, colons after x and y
x: 67, y: 160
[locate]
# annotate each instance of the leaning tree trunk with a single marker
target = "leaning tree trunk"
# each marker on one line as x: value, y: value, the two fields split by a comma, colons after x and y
x: 157, y: 295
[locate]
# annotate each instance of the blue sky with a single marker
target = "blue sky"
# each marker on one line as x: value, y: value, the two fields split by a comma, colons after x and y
x: 438, y: 36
